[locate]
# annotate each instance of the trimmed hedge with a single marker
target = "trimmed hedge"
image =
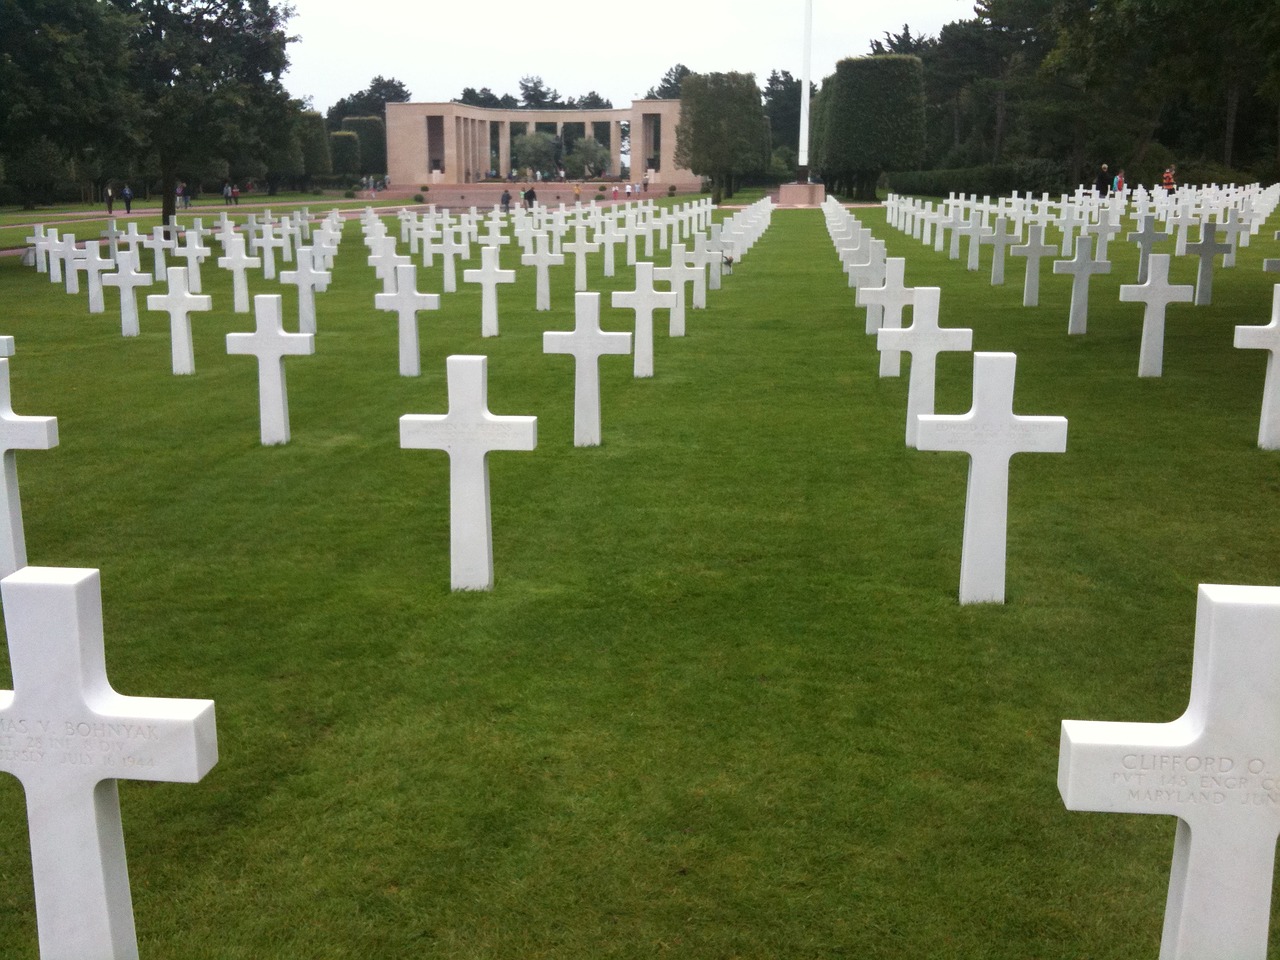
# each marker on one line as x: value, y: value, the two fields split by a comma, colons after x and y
x: 1024, y: 176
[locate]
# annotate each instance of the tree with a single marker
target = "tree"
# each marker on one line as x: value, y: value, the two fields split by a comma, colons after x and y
x: 782, y: 107
x: 484, y: 97
x: 722, y: 132
x: 64, y: 73
x: 369, y: 102
x: 314, y: 137
x: 590, y: 101
x: 535, y: 151
x: 535, y: 95
x: 207, y: 78
x: 344, y: 147
x: 373, y: 142
x: 669, y: 86
x: 588, y: 158
x: 874, y: 121
x: 902, y: 42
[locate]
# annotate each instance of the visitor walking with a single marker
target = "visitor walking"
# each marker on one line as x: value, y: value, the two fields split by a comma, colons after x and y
x: 1170, y: 180
x: 1102, y: 184
x: 111, y: 200
x: 127, y: 196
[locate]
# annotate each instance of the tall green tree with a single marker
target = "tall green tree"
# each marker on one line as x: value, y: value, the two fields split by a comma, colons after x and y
x: 370, y: 102
x: 874, y: 121
x: 314, y: 137
x: 535, y: 151
x: 373, y: 142
x: 536, y: 95
x: 64, y: 76
x: 722, y: 133
x: 484, y: 97
x: 668, y: 88
x: 207, y: 75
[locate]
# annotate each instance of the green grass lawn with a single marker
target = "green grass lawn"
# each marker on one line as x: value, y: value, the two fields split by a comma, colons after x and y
x: 722, y: 702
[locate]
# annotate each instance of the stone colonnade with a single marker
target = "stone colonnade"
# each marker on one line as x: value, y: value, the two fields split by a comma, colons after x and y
x: 453, y: 143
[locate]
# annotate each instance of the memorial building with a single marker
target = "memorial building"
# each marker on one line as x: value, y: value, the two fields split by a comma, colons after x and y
x: 453, y: 143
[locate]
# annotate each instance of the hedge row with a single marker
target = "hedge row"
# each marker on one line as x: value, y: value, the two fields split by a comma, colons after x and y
x: 1024, y: 176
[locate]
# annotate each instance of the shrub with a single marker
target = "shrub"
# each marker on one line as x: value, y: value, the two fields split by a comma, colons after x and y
x: 424, y: 188
x: 350, y: 194
x: 419, y: 198
x: 1024, y: 176
x: 599, y: 196
x: 671, y: 190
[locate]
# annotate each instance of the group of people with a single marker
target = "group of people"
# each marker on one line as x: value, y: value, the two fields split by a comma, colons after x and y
x: 1105, y: 185
x: 126, y: 194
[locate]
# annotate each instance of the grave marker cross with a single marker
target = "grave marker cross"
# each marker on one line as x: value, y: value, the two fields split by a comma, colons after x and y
x: 16, y: 433
x: 179, y: 303
x: 991, y: 433
x: 541, y: 260
x: 1214, y: 768
x: 1146, y: 237
x: 468, y: 432
x: 1082, y: 267
x: 891, y: 297
x: 271, y: 344
x: 406, y: 302
x: 80, y: 737
x: 1157, y: 293
x: 128, y: 277
x: 1206, y: 249
x: 1035, y: 250
x: 1267, y: 338
x: 489, y: 276
x: 644, y: 299
x: 924, y: 340
x: 586, y: 344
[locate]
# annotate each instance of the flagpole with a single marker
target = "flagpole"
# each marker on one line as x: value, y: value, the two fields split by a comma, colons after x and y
x: 803, y: 152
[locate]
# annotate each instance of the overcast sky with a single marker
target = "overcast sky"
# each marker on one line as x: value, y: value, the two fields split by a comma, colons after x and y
x: 438, y: 47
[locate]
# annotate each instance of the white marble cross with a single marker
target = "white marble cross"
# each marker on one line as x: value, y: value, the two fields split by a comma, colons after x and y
x: 489, y: 276
x: 1001, y: 238
x: 586, y: 344
x: 891, y: 297
x: 179, y: 303
x: 268, y: 243
x: 111, y: 233
x: 271, y: 344
x: 195, y: 253
x: 1157, y: 293
x: 716, y: 249
x: 580, y: 247
x: 976, y: 230
x: 238, y: 261
x: 609, y: 237
x: 1035, y: 250
x: 39, y: 241
x: 16, y: 433
x: 644, y: 299
x: 677, y: 274
x: 68, y: 737
x: 1216, y: 768
x: 94, y: 264
x: 1146, y: 237
x: 158, y: 243
x: 308, y: 280
x: 1267, y: 338
x: 541, y: 260
x: 990, y: 433
x: 450, y: 247
x: 468, y: 432
x: 924, y: 340
x: 128, y: 277
x: 1082, y: 267
x: 407, y: 302
x: 1206, y: 249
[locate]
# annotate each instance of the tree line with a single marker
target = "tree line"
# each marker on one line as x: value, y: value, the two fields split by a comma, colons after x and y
x: 160, y: 91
